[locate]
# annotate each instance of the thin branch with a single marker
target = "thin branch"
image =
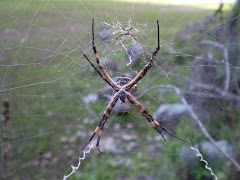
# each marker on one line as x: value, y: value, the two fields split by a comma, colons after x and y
x: 198, y: 121
x: 217, y: 45
x: 225, y: 95
x: 194, y: 93
x: 202, y: 128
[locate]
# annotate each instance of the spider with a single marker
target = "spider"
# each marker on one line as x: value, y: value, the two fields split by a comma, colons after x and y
x: 126, y: 32
x: 123, y: 86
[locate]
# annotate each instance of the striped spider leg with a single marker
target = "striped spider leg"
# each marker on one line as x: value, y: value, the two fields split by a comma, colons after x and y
x: 98, y: 62
x: 123, y: 86
x: 103, y: 120
x: 149, y: 117
x: 146, y: 68
x: 99, y: 73
x: 126, y: 32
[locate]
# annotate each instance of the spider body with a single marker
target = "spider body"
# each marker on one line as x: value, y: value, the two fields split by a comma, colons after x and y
x: 126, y: 32
x: 121, y: 81
x: 123, y: 86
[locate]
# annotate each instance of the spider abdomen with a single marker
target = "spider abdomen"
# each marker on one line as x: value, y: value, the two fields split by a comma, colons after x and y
x: 122, y: 97
x: 121, y: 81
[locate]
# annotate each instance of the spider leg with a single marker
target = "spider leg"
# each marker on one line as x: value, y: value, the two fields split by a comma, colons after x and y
x: 133, y: 37
x: 97, y: 58
x: 122, y: 27
x: 142, y: 73
x: 105, y: 118
x: 95, y: 131
x: 154, y: 125
x: 109, y: 83
x: 119, y: 36
x: 166, y: 130
x: 103, y: 121
x: 146, y: 114
x: 131, y: 27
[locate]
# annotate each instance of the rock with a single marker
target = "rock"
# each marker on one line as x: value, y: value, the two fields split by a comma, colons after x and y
x: 3, y: 58
x: 88, y: 121
x: 64, y: 139
x: 105, y: 33
x: 81, y: 134
x: 72, y: 139
x: 210, y: 153
x: 132, y: 145
x: 130, y: 125
x: 122, y: 177
x: 109, y: 145
x: 48, y: 156
x: 143, y: 177
x: 151, y: 149
x: 122, y: 108
x: 134, y: 53
x: 91, y: 98
x: 129, y: 137
x: 213, y: 153
x: 117, y: 127
x: 204, y: 72
x: 69, y: 153
x: 169, y: 113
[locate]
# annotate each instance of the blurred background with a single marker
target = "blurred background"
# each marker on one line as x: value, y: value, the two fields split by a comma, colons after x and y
x: 52, y: 99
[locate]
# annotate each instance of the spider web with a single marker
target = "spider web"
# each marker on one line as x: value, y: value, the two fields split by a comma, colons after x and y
x: 56, y: 99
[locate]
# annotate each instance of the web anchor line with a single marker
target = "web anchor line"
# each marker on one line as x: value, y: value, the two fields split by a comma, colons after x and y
x: 75, y: 168
x: 198, y: 154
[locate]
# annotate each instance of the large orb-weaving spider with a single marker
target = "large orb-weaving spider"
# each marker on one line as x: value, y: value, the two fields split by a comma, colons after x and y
x: 123, y: 88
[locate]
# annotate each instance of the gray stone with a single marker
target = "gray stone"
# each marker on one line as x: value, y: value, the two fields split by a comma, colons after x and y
x: 122, y: 108
x: 213, y: 153
x: 134, y: 53
x: 210, y: 153
x: 132, y: 145
x: 2, y: 58
x: 129, y: 137
x: 143, y: 177
x: 110, y: 145
x: 70, y: 153
x: 91, y: 98
x: 105, y: 33
x: 170, y: 113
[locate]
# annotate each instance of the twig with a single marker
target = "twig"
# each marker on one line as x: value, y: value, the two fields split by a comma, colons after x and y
x: 198, y: 121
x: 217, y: 45
x: 202, y: 128
x: 219, y: 11
x: 233, y: 22
x: 194, y: 93
x: 225, y: 95
x: 222, y: 93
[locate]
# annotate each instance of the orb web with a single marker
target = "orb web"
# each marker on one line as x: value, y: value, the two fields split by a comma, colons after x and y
x: 52, y: 99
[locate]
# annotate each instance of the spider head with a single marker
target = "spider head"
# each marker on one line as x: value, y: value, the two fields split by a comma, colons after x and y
x: 126, y: 31
x: 122, y: 80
